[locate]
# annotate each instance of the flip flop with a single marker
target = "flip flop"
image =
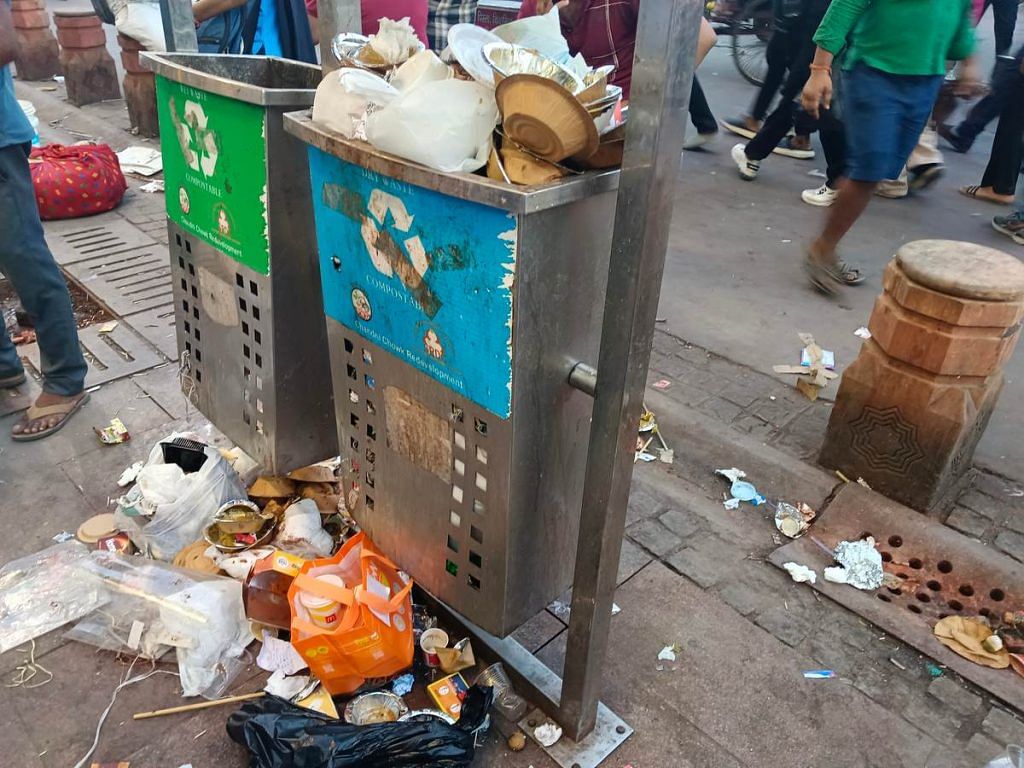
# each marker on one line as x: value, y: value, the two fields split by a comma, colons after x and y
x: 822, y: 275
x: 64, y: 410
x: 10, y: 382
x: 989, y: 197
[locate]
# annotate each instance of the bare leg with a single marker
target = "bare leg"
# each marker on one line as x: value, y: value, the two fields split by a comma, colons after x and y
x: 854, y: 197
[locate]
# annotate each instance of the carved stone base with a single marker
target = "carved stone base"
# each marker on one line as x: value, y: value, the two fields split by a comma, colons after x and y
x: 38, y: 55
x: 139, y: 90
x: 89, y: 71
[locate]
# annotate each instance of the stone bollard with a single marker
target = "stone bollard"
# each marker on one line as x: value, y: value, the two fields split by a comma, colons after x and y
x: 913, y: 405
x: 38, y: 56
x: 139, y: 89
x: 89, y: 71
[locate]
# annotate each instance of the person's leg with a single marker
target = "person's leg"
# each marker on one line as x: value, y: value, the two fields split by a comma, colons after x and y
x: 778, y: 55
x: 926, y: 163
x: 1004, y: 78
x: 772, y: 132
x: 12, y: 373
x: 700, y: 113
x: 1004, y: 22
x: 1004, y: 163
x: 28, y: 264
x: 1013, y: 225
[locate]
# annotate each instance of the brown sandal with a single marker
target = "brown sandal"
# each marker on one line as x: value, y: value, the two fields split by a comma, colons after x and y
x: 64, y: 410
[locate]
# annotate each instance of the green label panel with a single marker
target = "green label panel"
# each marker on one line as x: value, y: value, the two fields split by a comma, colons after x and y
x: 215, y: 170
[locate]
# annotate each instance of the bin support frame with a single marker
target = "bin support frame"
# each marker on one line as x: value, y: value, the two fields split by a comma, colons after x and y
x: 654, y: 138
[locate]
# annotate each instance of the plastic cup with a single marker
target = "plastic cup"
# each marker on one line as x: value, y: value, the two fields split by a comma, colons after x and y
x: 506, y: 700
x: 430, y: 641
x: 323, y: 612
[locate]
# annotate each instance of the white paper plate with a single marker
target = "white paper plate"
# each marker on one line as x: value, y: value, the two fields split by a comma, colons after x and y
x: 467, y: 43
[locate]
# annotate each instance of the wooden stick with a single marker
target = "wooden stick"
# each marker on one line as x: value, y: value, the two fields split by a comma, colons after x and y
x: 198, y: 705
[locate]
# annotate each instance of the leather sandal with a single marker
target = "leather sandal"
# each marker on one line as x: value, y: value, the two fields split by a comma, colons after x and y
x: 64, y: 410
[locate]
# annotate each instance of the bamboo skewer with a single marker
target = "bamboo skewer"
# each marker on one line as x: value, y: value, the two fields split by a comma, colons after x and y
x: 198, y: 705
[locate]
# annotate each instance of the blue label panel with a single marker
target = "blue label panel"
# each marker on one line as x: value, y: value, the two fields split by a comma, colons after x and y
x: 426, y: 276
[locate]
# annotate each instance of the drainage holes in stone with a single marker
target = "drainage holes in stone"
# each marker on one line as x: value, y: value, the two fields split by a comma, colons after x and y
x: 886, y: 557
x: 895, y: 590
x: 895, y: 542
x: 934, y: 586
x: 944, y: 566
x: 955, y: 605
x: 986, y: 612
x: 902, y: 576
x: 914, y: 608
x: 997, y: 595
x: 884, y: 597
x: 966, y: 590
x: 924, y: 597
x: 915, y: 563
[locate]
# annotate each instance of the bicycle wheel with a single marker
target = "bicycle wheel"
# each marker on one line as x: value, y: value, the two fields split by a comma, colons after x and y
x: 751, y: 32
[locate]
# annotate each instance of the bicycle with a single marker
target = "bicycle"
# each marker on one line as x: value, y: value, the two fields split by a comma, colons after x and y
x: 749, y: 25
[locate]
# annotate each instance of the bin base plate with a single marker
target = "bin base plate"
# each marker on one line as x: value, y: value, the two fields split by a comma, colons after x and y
x: 610, y: 731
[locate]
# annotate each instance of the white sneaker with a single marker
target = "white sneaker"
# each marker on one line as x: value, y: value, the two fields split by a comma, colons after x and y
x: 698, y: 140
x: 822, y: 197
x: 748, y: 168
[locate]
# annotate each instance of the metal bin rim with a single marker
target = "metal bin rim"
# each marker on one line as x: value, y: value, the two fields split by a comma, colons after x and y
x: 176, y: 67
x: 466, y: 186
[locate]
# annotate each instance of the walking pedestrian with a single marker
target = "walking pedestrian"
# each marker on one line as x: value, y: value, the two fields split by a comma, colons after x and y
x: 748, y: 158
x: 1004, y: 165
x: 890, y: 82
x: 27, y: 262
x: 1004, y: 78
x: 1004, y: 22
x: 784, y: 47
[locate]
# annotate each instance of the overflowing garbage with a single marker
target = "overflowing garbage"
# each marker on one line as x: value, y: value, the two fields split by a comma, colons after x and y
x: 511, y: 103
x: 198, y: 563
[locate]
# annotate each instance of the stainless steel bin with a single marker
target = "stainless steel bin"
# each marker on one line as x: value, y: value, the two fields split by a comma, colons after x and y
x: 456, y: 308
x: 243, y: 255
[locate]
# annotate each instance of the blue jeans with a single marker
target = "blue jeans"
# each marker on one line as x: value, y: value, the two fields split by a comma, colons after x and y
x: 1018, y: 204
x: 27, y: 262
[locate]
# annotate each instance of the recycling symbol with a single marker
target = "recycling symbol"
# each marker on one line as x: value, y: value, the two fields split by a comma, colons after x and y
x: 198, y: 140
x: 409, y: 261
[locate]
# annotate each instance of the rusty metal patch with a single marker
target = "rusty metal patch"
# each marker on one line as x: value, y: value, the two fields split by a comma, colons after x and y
x: 935, y: 572
x: 418, y: 434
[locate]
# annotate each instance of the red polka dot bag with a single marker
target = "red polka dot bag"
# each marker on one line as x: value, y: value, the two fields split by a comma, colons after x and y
x: 75, y: 181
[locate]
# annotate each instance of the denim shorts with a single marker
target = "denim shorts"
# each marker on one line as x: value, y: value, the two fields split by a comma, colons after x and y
x: 884, y: 115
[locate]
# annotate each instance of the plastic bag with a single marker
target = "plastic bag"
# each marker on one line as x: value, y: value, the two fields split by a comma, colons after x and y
x: 141, y: 21
x: 40, y: 592
x: 280, y: 735
x: 343, y: 98
x: 373, y: 634
x: 155, y: 607
x: 446, y: 125
x: 302, y: 534
x: 424, y: 67
x: 161, y: 528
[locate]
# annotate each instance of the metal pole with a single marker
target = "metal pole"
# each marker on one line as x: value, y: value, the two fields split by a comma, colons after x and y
x: 335, y: 16
x: 179, y: 26
x: 666, y: 49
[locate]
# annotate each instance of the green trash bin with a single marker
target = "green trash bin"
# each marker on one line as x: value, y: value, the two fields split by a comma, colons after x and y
x: 250, y: 324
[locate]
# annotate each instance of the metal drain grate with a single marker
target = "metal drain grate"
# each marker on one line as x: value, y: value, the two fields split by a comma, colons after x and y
x: 938, y: 572
x: 127, y: 282
x: 110, y: 356
x: 108, y: 234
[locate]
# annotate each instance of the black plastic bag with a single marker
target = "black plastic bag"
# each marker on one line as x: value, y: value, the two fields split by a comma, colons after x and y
x: 280, y: 735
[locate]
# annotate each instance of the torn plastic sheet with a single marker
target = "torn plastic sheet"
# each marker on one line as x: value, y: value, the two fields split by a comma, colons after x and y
x: 860, y: 565
x: 740, y: 489
x: 45, y: 590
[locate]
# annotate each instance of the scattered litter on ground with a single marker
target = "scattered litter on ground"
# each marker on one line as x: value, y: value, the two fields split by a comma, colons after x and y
x: 668, y: 653
x: 740, y: 489
x: 547, y: 734
x: 649, y: 432
x: 934, y: 670
x: 284, y: 686
x: 517, y: 741
x: 967, y: 637
x: 279, y: 656
x: 817, y: 173
x: 129, y: 475
x: 819, y: 674
x: 63, y: 536
x: 113, y: 434
x: 897, y: 664
x: 144, y: 161
x: 815, y: 369
x: 800, y: 573
x: 153, y: 186
x: 860, y: 565
x: 793, y: 521
x: 197, y: 706
x: 24, y: 675
x: 662, y: 384
x: 862, y: 333
x: 108, y: 326
x: 403, y: 684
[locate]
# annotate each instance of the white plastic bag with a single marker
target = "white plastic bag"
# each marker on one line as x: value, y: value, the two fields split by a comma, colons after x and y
x: 343, y: 97
x: 161, y: 528
x: 40, y: 592
x: 302, y: 534
x: 141, y: 21
x: 424, y: 67
x: 446, y: 125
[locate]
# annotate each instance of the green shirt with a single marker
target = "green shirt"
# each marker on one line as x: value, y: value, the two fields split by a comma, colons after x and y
x: 901, y: 37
